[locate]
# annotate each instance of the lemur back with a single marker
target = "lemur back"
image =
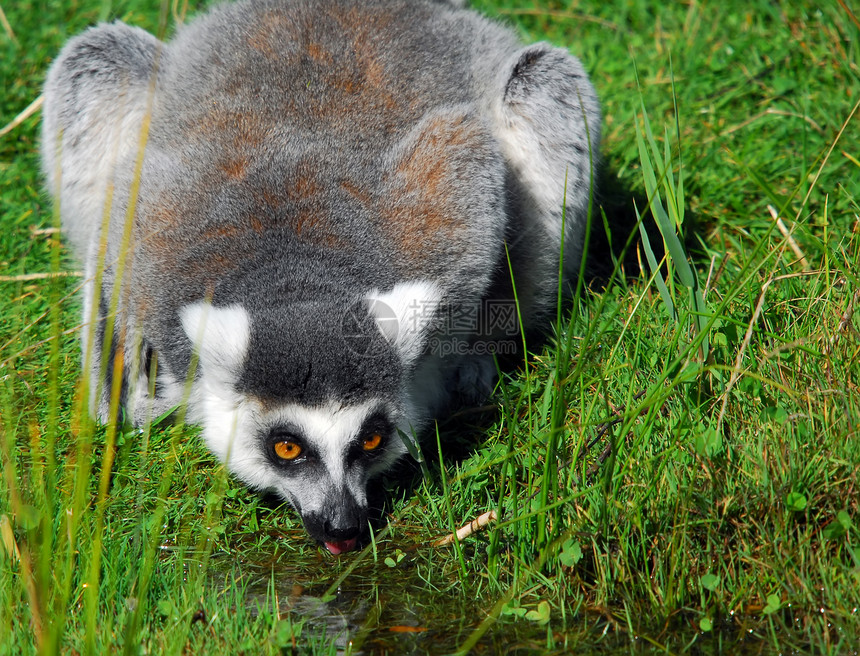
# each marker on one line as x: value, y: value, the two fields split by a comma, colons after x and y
x: 303, y: 192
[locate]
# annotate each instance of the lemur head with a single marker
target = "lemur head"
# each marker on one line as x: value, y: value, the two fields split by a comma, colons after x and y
x: 311, y: 400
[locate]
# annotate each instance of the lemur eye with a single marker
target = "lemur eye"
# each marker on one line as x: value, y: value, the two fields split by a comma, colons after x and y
x: 371, y: 442
x: 287, y: 450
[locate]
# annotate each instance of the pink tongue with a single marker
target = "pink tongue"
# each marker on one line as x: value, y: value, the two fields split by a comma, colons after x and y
x: 341, y: 546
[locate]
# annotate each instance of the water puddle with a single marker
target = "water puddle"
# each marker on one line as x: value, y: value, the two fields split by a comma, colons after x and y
x: 370, y: 608
x: 374, y: 610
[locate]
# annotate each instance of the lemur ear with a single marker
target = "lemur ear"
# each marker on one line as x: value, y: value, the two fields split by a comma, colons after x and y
x: 543, y: 70
x: 220, y: 336
x: 549, y: 131
x: 98, y: 78
x: 406, y: 315
x: 549, y: 88
x: 97, y: 95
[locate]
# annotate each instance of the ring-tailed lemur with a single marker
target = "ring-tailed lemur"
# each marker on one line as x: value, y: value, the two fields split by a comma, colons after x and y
x: 300, y: 195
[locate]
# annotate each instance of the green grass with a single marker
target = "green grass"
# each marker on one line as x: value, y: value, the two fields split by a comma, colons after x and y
x: 650, y: 498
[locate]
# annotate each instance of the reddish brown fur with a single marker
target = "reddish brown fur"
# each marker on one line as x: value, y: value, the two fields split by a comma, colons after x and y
x: 275, y: 29
x: 303, y: 185
x: 158, y: 244
x: 423, y: 217
x: 235, y: 169
x: 344, y: 80
x: 242, y: 130
x: 320, y: 54
x: 359, y: 194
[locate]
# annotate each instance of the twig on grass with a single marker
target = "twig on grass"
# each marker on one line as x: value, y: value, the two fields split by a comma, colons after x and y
x: 47, y: 275
x: 8, y: 28
x: 474, y: 526
x: 482, y: 521
x: 738, y: 369
x: 41, y: 232
x: 787, y: 234
x: 26, y: 113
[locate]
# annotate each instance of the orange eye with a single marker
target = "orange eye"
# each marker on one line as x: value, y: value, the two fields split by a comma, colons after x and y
x: 287, y: 450
x: 372, y: 442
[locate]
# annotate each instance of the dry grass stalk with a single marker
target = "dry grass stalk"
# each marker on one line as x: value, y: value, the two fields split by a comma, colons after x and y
x: 47, y: 275
x: 788, y: 238
x: 27, y: 112
x: 475, y: 525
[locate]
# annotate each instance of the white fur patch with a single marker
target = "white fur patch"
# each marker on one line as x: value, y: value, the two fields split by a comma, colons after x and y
x: 330, y: 429
x: 544, y: 177
x: 225, y: 419
x: 220, y: 335
x: 234, y: 428
x: 405, y: 314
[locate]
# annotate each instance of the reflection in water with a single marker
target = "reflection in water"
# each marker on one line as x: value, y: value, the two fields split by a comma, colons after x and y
x: 340, y: 620
x: 361, y: 617
x: 357, y: 606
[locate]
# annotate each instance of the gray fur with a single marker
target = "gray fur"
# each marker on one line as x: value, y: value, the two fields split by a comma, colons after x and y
x: 281, y: 162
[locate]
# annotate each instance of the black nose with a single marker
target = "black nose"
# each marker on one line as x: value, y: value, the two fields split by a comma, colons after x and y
x: 341, y: 532
x: 340, y: 520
